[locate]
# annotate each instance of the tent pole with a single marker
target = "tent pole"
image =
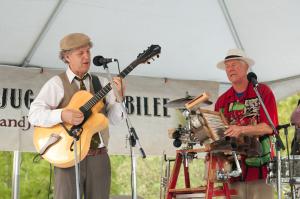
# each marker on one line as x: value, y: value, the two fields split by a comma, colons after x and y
x: 230, y: 24
x: 16, y: 175
x: 43, y: 33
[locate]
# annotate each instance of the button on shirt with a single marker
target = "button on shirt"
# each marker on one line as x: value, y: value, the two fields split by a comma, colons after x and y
x: 43, y: 110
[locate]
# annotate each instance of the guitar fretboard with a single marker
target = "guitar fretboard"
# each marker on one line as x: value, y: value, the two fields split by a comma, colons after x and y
x: 128, y: 69
x: 97, y: 97
x: 101, y: 94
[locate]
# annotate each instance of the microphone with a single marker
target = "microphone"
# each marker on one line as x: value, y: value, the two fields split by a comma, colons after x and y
x: 252, y: 78
x: 100, y: 60
x: 283, y: 126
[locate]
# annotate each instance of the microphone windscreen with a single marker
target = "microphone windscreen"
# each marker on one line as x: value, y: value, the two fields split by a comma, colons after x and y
x: 251, y: 76
x: 96, y: 60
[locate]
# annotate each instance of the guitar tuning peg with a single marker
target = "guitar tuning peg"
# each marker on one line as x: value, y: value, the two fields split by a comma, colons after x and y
x: 157, y: 56
x: 153, y: 59
x: 148, y: 62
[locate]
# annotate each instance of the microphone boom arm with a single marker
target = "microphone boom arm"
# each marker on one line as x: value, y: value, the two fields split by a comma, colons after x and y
x: 279, y: 144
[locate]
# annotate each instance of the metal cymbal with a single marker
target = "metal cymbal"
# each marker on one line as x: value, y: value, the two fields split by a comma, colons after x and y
x: 180, y: 103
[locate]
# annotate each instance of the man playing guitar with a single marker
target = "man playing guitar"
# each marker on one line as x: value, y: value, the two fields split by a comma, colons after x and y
x: 50, y: 108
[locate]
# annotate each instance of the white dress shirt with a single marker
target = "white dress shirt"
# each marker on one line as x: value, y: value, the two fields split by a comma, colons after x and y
x: 43, y: 110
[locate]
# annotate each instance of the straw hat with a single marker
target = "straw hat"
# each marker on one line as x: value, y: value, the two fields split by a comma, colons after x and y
x: 235, y: 54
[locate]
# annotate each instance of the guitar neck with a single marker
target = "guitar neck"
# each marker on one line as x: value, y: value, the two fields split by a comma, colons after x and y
x: 128, y: 69
x: 143, y: 57
x: 103, y: 92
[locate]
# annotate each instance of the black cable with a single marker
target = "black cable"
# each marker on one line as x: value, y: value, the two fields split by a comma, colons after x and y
x: 37, y: 158
x: 119, y: 71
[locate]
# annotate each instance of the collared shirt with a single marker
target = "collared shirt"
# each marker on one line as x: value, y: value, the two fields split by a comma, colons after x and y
x: 43, y: 110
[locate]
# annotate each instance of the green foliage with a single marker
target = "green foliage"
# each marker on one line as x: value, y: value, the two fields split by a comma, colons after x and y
x: 148, y: 175
x: 6, y: 162
x: 34, y: 177
x: 285, y: 110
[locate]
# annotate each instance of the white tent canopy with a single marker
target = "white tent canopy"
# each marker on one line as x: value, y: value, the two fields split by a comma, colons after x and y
x: 194, y: 35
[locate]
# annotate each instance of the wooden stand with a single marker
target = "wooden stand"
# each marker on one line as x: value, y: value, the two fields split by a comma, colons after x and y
x: 209, y: 190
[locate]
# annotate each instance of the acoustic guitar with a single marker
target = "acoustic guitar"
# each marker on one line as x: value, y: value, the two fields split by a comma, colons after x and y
x: 55, y: 144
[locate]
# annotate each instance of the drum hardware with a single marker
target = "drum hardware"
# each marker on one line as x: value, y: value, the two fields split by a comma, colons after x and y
x: 190, y: 134
x: 184, y: 134
x: 285, y: 172
x: 165, y: 174
x: 285, y: 168
x: 202, y: 127
x: 222, y: 175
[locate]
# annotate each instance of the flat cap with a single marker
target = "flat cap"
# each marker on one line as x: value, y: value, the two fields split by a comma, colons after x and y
x: 74, y: 40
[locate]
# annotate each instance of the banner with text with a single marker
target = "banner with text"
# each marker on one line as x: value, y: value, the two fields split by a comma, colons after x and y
x: 145, y: 100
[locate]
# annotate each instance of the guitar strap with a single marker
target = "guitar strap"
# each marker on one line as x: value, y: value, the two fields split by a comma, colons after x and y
x: 97, y: 85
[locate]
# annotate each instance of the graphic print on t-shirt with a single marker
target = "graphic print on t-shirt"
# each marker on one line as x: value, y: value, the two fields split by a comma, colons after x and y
x: 244, y: 113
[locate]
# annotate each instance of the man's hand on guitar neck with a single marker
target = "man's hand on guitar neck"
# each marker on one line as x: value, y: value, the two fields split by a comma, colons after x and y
x: 72, y: 116
x: 120, y: 86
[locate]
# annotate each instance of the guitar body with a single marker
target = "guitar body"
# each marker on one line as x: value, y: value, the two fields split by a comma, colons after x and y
x: 59, y: 154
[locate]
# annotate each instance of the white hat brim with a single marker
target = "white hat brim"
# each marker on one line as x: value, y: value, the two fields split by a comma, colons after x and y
x: 221, y: 64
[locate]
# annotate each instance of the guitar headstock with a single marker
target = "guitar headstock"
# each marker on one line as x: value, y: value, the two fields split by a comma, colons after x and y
x: 148, y: 55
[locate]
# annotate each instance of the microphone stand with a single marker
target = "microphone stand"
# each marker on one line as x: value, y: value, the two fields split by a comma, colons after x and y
x: 291, y: 179
x: 133, y: 138
x: 73, y: 132
x: 278, y: 145
x: 77, y: 177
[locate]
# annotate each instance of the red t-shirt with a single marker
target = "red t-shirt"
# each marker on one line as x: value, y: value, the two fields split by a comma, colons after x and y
x: 245, y: 109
